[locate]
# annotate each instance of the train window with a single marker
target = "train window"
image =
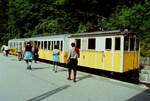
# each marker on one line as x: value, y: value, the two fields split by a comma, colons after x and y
x: 10, y: 45
x: 35, y: 43
x: 45, y: 44
x: 108, y: 43
x: 91, y: 43
x: 52, y: 45
x: 132, y: 42
x: 57, y: 44
x: 24, y: 44
x: 78, y: 43
x: 137, y: 44
x: 16, y: 45
x: 41, y: 44
x: 61, y: 47
x: 117, y: 43
x: 49, y: 45
x: 126, y: 43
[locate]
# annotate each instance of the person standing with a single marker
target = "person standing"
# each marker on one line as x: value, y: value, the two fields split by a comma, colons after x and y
x: 72, y: 62
x: 3, y: 50
x: 6, y: 50
x: 36, y: 55
x: 56, y: 53
x: 28, y: 55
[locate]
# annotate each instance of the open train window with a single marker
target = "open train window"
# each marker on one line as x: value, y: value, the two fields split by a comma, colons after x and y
x: 52, y: 42
x: 91, y: 43
x: 132, y: 44
x: 126, y: 43
x: 35, y: 42
x: 41, y: 44
x: 49, y: 45
x: 61, y: 47
x: 78, y: 43
x: 108, y: 43
x: 10, y: 45
x: 45, y: 44
x: 57, y: 44
x: 16, y: 45
x: 137, y: 44
x: 117, y: 43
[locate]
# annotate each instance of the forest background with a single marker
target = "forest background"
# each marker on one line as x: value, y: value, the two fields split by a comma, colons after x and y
x: 26, y: 18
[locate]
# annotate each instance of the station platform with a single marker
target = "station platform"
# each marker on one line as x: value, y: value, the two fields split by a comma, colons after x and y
x: 43, y: 84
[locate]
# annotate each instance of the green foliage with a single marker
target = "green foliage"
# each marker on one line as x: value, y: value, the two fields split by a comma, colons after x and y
x: 136, y: 19
x: 5, y: 38
x: 48, y: 26
x: 3, y: 18
x: 25, y: 18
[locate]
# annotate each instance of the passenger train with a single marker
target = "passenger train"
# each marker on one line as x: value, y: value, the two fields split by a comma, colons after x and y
x: 114, y: 51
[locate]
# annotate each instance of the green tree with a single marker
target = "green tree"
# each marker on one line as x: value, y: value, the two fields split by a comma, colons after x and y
x: 136, y: 19
x: 3, y: 18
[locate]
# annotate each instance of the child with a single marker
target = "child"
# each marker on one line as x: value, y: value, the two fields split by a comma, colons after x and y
x: 28, y: 55
x: 55, y: 57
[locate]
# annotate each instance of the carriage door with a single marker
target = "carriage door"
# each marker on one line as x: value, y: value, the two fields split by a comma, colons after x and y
x: 107, y: 55
x: 78, y: 44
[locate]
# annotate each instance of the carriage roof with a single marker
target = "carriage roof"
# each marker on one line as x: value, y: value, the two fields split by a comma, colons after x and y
x: 100, y: 33
x: 85, y: 34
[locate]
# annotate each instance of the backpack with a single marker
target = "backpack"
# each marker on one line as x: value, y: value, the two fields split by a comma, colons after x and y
x: 78, y: 51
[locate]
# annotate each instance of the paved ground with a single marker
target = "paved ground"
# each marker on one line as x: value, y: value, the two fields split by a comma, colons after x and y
x: 42, y: 84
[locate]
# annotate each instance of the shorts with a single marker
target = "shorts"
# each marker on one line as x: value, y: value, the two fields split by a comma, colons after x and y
x: 73, y: 64
x: 28, y: 56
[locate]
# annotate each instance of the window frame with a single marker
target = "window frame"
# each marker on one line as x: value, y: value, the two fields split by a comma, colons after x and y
x: 89, y: 45
x: 42, y: 44
x: 49, y: 43
x: 106, y: 44
x: 115, y: 44
x: 61, y: 45
x: 137, y: 48
x: 133, y: 47
x: 126, y: 37
x: 58, y: 43
x: 77, y: 44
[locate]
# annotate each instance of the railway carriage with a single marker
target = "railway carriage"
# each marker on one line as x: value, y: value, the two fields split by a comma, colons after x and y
x: 46, y: 46
x: 109, y: 50
x: 114, y: 51
x: 14, y: 44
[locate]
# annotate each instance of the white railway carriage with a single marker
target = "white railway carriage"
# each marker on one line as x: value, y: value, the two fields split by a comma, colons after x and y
x: 46, y: 46
x: 14, y: 44
x: 107, y: 50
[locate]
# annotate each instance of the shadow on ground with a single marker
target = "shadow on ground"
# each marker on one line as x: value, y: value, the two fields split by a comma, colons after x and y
x: 117, y: 76
x: 144, y: 96
x: 37, y: 68
x: 83, y: 77
x: 49, y: 93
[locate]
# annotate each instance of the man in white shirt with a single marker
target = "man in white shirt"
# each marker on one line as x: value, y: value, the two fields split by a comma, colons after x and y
x: 6, y: 50
x: 3, y: 49
x: 72, y: 62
